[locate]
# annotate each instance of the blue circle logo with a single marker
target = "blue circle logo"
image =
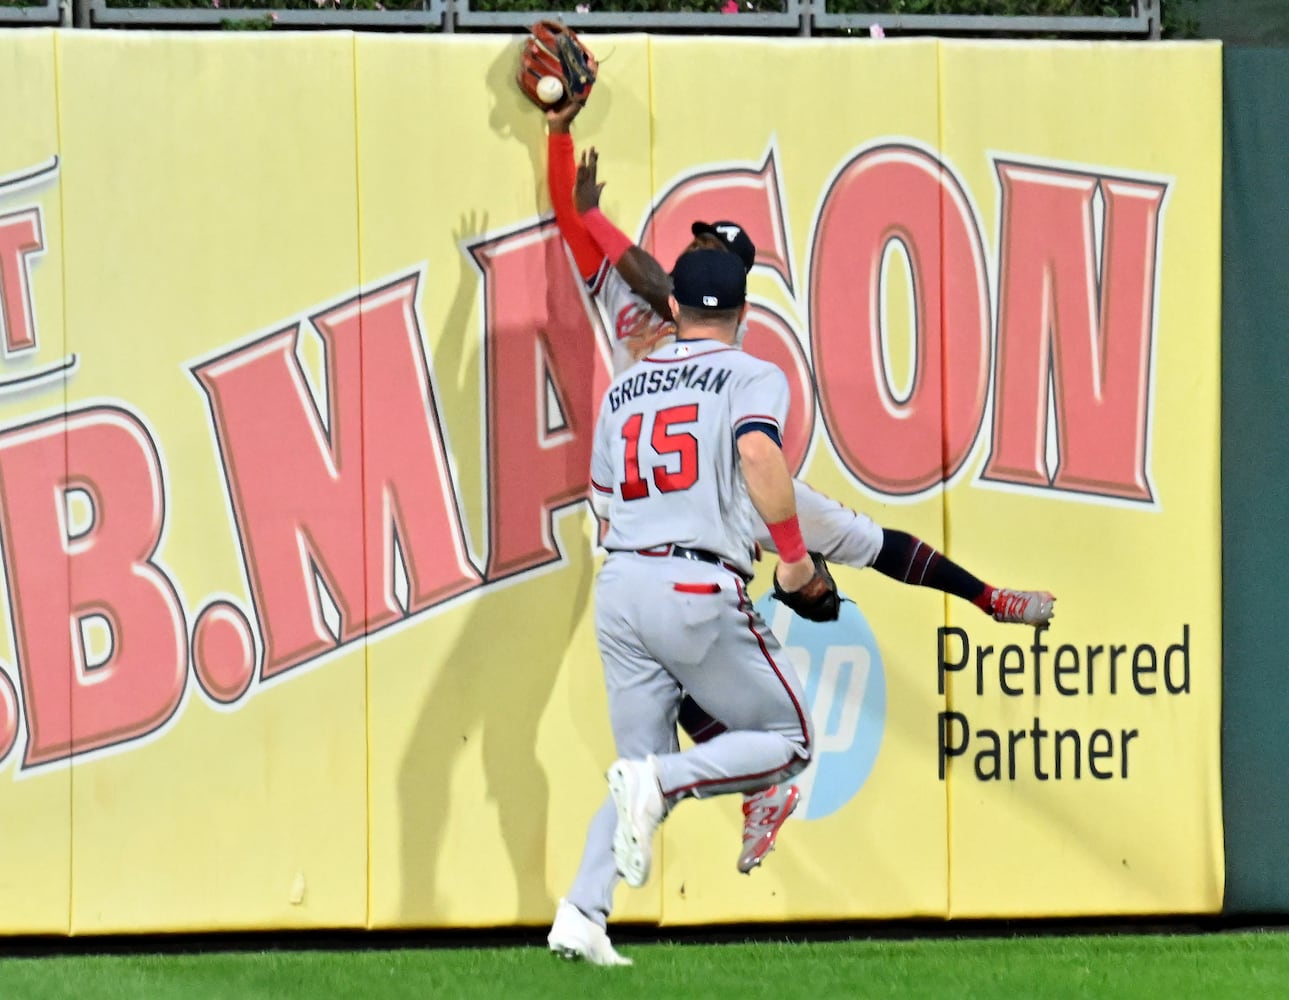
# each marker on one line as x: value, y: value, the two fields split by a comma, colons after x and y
x: 840, y: 668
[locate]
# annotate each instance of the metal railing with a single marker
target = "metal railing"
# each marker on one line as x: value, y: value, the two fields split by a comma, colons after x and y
x: 793, y: 19
x: 430, y: 14
x: 51, y: 12
x: 796, y: 17
x: 805, y: 17
x: 1145, y: 23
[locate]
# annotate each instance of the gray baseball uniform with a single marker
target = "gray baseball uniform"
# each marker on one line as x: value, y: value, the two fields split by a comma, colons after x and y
x: 672, y: 611
x: 839, y: 533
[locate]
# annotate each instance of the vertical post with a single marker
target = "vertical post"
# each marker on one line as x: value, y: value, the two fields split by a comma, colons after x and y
x: 449, y: 16
x: 1152, y: 10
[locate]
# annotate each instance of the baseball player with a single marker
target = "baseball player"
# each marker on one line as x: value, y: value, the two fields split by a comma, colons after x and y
x: 686, y: 466
x: 631, y: 290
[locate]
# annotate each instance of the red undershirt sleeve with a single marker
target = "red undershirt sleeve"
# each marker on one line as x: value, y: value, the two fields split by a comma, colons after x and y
x: 561, y: 174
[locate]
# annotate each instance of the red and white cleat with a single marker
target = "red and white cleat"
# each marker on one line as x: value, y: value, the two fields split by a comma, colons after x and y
x: 763, y: 816
x: 1023, y: 607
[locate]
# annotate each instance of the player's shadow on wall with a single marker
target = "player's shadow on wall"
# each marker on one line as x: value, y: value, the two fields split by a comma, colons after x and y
x: 494, y: 685
x: 492, y: 688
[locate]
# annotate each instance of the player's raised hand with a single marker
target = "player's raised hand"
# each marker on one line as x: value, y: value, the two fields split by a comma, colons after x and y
x: 587, y: 187
x: 560, y: 117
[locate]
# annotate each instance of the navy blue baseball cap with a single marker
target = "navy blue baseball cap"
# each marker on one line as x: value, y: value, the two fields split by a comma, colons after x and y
x: 733, y: 236
x: 709, y: 279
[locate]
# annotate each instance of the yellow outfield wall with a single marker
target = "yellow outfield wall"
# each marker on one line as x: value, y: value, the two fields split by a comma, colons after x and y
x: 35, y: 889
x: 1107, y: 210
x: 296, y: 388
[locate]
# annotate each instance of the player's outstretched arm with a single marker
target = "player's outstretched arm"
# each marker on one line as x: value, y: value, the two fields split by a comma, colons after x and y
x: 769, y: 484
x: 642, y: 273
x: 561, y: 174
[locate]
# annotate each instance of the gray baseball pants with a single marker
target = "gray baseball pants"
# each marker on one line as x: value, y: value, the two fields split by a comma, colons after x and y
x: 667, y: 625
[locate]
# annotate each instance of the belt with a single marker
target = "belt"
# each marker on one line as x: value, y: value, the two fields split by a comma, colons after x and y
x: 698, y: 555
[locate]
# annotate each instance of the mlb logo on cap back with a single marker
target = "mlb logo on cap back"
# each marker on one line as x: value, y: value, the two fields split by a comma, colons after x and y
x: 709, y: 279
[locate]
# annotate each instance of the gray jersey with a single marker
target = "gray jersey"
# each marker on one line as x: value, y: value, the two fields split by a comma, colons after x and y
x: 666, y: 454
x: 841, y: 534
x: 625, y: 315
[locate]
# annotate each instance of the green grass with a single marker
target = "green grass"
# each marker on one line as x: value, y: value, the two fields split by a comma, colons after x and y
x: 1213, y: 967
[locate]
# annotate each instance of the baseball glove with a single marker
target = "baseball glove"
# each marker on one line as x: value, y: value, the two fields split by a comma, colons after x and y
x: 818, y: 600
x: 554, y: 50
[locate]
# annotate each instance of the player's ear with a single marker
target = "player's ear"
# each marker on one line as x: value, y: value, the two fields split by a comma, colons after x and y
x: 673, y: 305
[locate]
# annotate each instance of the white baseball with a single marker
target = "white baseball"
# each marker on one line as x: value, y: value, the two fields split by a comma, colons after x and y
x: 550, y: 89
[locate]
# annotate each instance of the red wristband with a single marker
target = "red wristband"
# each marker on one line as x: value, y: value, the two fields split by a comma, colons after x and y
x: 612, y: 240
x: 787, y: 539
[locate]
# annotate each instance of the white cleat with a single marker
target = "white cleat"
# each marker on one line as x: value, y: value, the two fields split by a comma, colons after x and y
x: 1023, y: 607
x: 578, y: 938
x: 634, y: 787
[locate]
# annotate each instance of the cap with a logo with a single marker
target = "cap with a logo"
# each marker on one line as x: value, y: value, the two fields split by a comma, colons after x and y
x: 733, y: 236
x: 709, y: 279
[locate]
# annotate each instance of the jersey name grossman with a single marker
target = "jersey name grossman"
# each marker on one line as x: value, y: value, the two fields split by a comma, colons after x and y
x: 709, y: 379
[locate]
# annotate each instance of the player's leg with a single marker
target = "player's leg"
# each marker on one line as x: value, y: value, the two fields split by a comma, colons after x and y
x: 843, y: 536
x: 599, y: 870
x: 910, y: 560
x: 579, y: 930
x: 697, y: 722
x: 840, y: 534
x: 853, y: 539
x: 643, y: 701
x: 764, y: 811
x: 722, y: 653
